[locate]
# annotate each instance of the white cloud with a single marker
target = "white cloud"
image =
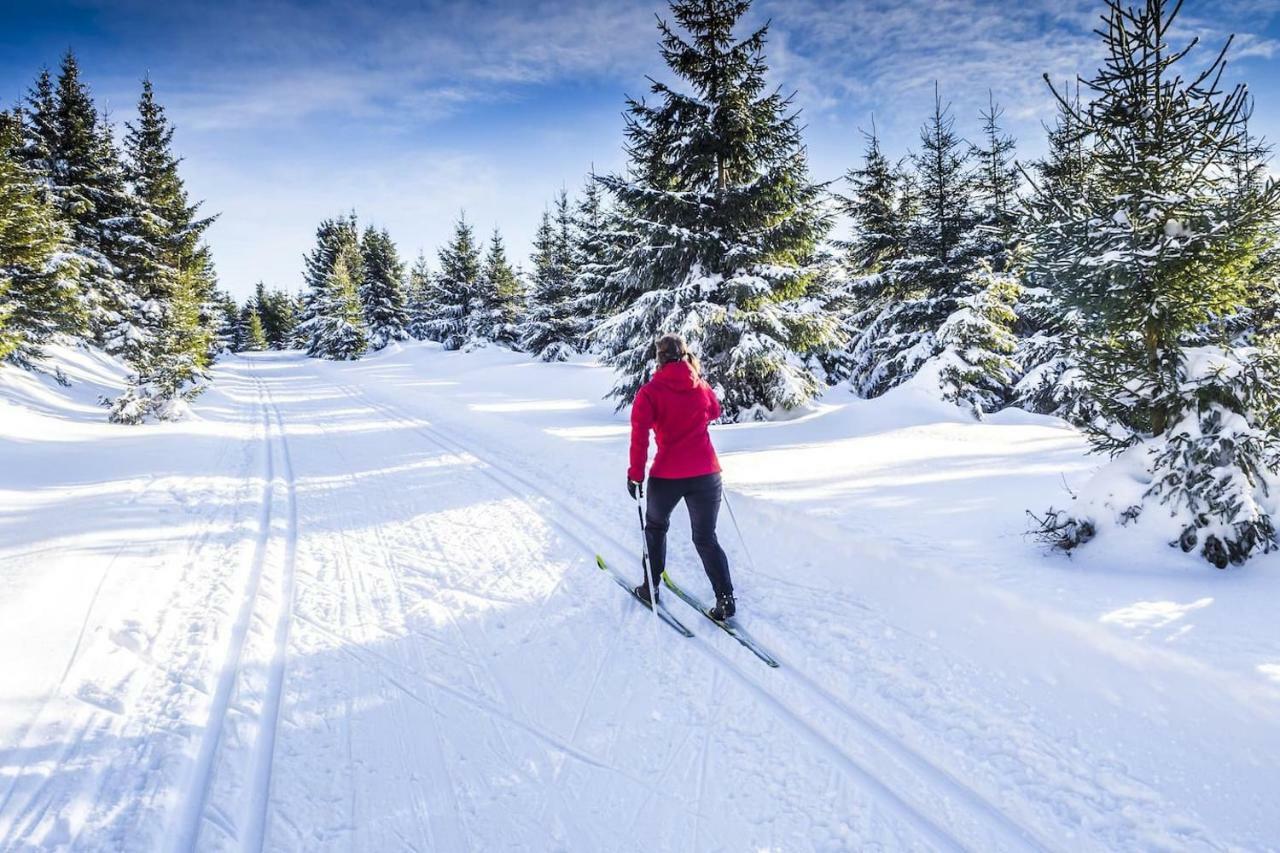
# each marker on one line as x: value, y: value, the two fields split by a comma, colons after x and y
x: 322, y: 106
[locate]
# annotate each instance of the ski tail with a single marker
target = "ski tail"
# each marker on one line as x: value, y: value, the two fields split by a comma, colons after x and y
x: 729, y: 626
x: 665, y: 615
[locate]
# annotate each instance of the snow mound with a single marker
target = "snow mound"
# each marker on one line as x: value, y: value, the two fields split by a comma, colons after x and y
x: 89, y: 374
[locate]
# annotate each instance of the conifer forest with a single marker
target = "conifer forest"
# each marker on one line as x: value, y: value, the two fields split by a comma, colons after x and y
x: 317, y: 563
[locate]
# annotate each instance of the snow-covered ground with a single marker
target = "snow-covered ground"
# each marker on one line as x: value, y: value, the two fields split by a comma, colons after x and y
x: 355, y: 606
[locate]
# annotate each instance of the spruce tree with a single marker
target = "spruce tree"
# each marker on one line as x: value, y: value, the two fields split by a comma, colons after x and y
x: 1161, y: 245
x: 40, y: 289
x: 88, y: 186
x: 975, y: 365
x: 340, y: 332
x: 925, y: 285
x: 1049, y: 327
x: 722, y: 223
x: 226, y: 314
x: 496, y: 309
x: 255, y: 338
x: 554, y: 325
x: 419, y: 292
x: 995, y: 183
x: 382, y: 289
x: 942, y: 235
x: 880, y: 204
x: 453, y: 290
x: 593, y: 255
x: 880, y: 207
x: 334, y: 238
x: 164, y: 262
x: 277, y: 310
x: 40, y: 145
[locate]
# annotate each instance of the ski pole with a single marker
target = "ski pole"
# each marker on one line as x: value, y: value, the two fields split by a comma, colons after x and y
x: 644, y: 562
x: 734, y: 518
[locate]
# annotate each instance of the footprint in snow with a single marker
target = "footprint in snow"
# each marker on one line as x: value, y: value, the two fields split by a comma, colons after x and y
x: 95, y: 694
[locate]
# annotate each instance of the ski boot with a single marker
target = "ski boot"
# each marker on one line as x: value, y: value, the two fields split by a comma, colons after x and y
x: 642, y: 592
x: 724, y: 609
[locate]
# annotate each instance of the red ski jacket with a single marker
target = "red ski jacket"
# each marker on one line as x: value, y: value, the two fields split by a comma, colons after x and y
x: 677, y: 405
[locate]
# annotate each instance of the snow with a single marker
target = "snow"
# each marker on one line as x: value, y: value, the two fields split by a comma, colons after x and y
x: 354, y: 606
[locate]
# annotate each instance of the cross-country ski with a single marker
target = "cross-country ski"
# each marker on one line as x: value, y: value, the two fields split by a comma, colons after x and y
x: 660, y: 608
x: 639, y: 425
x: 730, y: 626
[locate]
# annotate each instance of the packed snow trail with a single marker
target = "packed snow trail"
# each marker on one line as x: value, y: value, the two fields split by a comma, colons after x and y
x: 355, y: 606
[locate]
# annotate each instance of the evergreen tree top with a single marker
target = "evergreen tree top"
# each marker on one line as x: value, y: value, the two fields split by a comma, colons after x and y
x: 718, y: 176
x: 333, y: 237
x: 152, y: 170
x: 728, y: 131
x: 1162, y: 198
x: 880, y: 207
x: 460, y: 258
x: 946, y: 194
x: 497, y: 256
x: 997, y: 178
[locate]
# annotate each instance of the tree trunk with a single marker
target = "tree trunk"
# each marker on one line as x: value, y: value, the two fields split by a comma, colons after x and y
x: 1159, y: 416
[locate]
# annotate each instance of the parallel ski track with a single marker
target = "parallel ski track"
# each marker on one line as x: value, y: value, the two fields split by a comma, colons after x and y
x: 1014, y: 834
x: 70, y: 744
x: 264, y: 748
x: 191, y: 818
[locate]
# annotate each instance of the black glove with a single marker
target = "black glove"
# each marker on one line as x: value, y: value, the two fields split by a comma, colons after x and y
x: 635, y: 489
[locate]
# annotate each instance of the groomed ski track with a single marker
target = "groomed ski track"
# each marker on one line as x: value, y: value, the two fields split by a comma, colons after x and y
x: 382, y: 628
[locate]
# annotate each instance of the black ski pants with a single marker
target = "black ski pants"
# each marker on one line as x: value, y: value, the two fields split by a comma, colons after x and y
x: 702, y: 496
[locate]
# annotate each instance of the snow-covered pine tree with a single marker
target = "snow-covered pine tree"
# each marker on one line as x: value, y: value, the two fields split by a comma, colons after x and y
x: 264, y: 305
x: 40, y: 289
x: 880, y: 203
x: 1162, y: 243
x: 881, y: 209
x: 222, y: 307
x: 722, y: 221
x: 1052, y: 382
x: 340, y: 329
x: 995, y: 184
x: 554, y: 326
x: 495, y: 311
x: 453, y: 290
x: 334, y: 237
x: 382, y: 289
x: 977, y: 343
x: 86, y: 184
x: 975, y: 365
x: 39, y: 121
x: 9, y: 337
x: 925, y: 284
x: 255, y: 338
x: 165, y: 264
x: 417, y: 298
x: 593, y: 256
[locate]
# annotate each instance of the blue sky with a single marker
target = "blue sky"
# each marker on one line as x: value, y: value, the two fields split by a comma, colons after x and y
x: 290, y: 111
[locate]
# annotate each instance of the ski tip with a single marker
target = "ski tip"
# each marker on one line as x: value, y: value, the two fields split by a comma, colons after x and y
x: 600, y: 562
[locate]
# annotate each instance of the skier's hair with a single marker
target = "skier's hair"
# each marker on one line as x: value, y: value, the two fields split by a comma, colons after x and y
x: 671, y: 348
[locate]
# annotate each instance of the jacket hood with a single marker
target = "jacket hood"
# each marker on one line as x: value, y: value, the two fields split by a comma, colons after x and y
x: 677, y: 376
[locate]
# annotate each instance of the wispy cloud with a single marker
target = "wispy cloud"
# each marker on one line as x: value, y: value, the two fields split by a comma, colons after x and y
x: 286, y: 60
x: 875, y: 52
x: 408, y: 110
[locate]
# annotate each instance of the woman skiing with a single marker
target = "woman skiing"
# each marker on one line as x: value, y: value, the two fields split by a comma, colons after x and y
x: 677, y: 404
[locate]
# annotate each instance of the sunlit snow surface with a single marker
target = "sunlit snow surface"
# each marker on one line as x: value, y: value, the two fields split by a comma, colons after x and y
x: 355, y: 606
